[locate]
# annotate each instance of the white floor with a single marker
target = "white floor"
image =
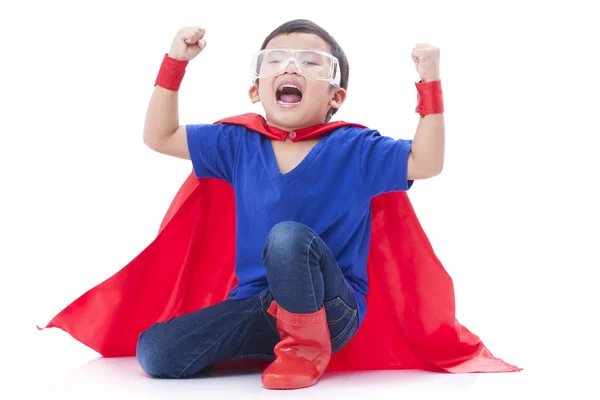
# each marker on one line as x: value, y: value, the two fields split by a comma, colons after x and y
x: 56, y: 367
x: 122, y: 378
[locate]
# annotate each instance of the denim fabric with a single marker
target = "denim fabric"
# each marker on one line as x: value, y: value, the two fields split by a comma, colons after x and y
x: 303, y: 276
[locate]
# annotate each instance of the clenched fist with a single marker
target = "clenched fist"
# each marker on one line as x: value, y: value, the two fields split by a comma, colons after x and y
x: 427, y: 61
x: 188, y: 43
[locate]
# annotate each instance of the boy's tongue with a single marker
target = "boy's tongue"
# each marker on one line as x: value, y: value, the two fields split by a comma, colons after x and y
x: 290, y: 98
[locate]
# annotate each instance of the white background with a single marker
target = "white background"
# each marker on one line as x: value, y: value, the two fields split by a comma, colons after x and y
x: 513, y: 217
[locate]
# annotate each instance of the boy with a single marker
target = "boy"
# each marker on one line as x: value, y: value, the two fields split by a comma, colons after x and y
x: 287, y: 228
x: 303, y: 207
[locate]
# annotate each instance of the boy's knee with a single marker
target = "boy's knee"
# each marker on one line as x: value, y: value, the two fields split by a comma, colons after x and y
x: 287, y: 238
x: 154, y: 355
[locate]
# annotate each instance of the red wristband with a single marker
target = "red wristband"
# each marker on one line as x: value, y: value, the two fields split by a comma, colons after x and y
x: 171, y: 73
x: 429, y: 98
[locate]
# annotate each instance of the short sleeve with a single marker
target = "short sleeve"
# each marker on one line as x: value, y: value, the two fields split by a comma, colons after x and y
x: 213, y: 149
x: 384, y: 163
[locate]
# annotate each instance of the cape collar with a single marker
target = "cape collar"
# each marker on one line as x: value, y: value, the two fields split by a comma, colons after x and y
x: 257, y: 123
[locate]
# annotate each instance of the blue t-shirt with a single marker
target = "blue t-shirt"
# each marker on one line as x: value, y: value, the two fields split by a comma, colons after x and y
x: 330, y: 191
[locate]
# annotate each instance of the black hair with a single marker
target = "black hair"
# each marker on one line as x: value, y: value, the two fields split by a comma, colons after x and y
x: 307, y: 26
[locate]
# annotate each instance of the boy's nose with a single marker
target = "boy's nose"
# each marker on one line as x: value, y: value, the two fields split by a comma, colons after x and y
x: 291, y: 67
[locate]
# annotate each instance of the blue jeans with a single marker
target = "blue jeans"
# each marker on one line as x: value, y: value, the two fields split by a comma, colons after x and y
x: 303, y: 276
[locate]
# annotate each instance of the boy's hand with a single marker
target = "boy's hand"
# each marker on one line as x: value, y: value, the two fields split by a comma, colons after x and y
x: 188, y: 43
x: 427, y: 61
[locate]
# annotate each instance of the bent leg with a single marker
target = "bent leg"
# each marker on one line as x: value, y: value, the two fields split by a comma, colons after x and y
x: 184, y: 346
x: 310, y: 306
x: 304, y: 276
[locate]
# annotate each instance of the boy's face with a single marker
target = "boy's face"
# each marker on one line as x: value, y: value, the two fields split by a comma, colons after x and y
x: 305, y: 106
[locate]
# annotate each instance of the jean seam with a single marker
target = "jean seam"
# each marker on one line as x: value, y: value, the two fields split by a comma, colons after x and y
x: 210, y: 347
x: 312, y: 284
x: 342, y: 317
x: 341, y: 300
x: 348, y: 332
x: 266, y: 314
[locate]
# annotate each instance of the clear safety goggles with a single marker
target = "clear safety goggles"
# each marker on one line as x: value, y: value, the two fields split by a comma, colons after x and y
x: 310, y: 63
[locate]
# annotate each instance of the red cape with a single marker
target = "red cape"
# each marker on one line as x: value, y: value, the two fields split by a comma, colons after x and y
x: 410, y: 321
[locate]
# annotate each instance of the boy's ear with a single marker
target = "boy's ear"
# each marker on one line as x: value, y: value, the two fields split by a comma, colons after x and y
x: 253, y: 94
x: 338, y: 98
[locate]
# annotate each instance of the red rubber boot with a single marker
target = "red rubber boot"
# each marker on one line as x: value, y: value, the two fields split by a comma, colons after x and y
x: 303, y: 352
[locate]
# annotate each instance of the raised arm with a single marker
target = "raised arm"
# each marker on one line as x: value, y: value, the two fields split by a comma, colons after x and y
x: 162, y: 132
x: 426, y: 158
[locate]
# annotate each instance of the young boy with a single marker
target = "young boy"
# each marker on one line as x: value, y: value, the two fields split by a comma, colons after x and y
x: 287, y: 228
x: 303, y: 192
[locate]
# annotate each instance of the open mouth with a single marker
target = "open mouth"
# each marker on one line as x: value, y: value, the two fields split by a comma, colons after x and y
x: 289, y: 94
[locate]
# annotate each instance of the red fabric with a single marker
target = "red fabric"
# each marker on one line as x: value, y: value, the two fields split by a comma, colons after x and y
x: 410, y: 321
x: 430, y: 99
x: 171, y: 73
x: 256, y: 122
